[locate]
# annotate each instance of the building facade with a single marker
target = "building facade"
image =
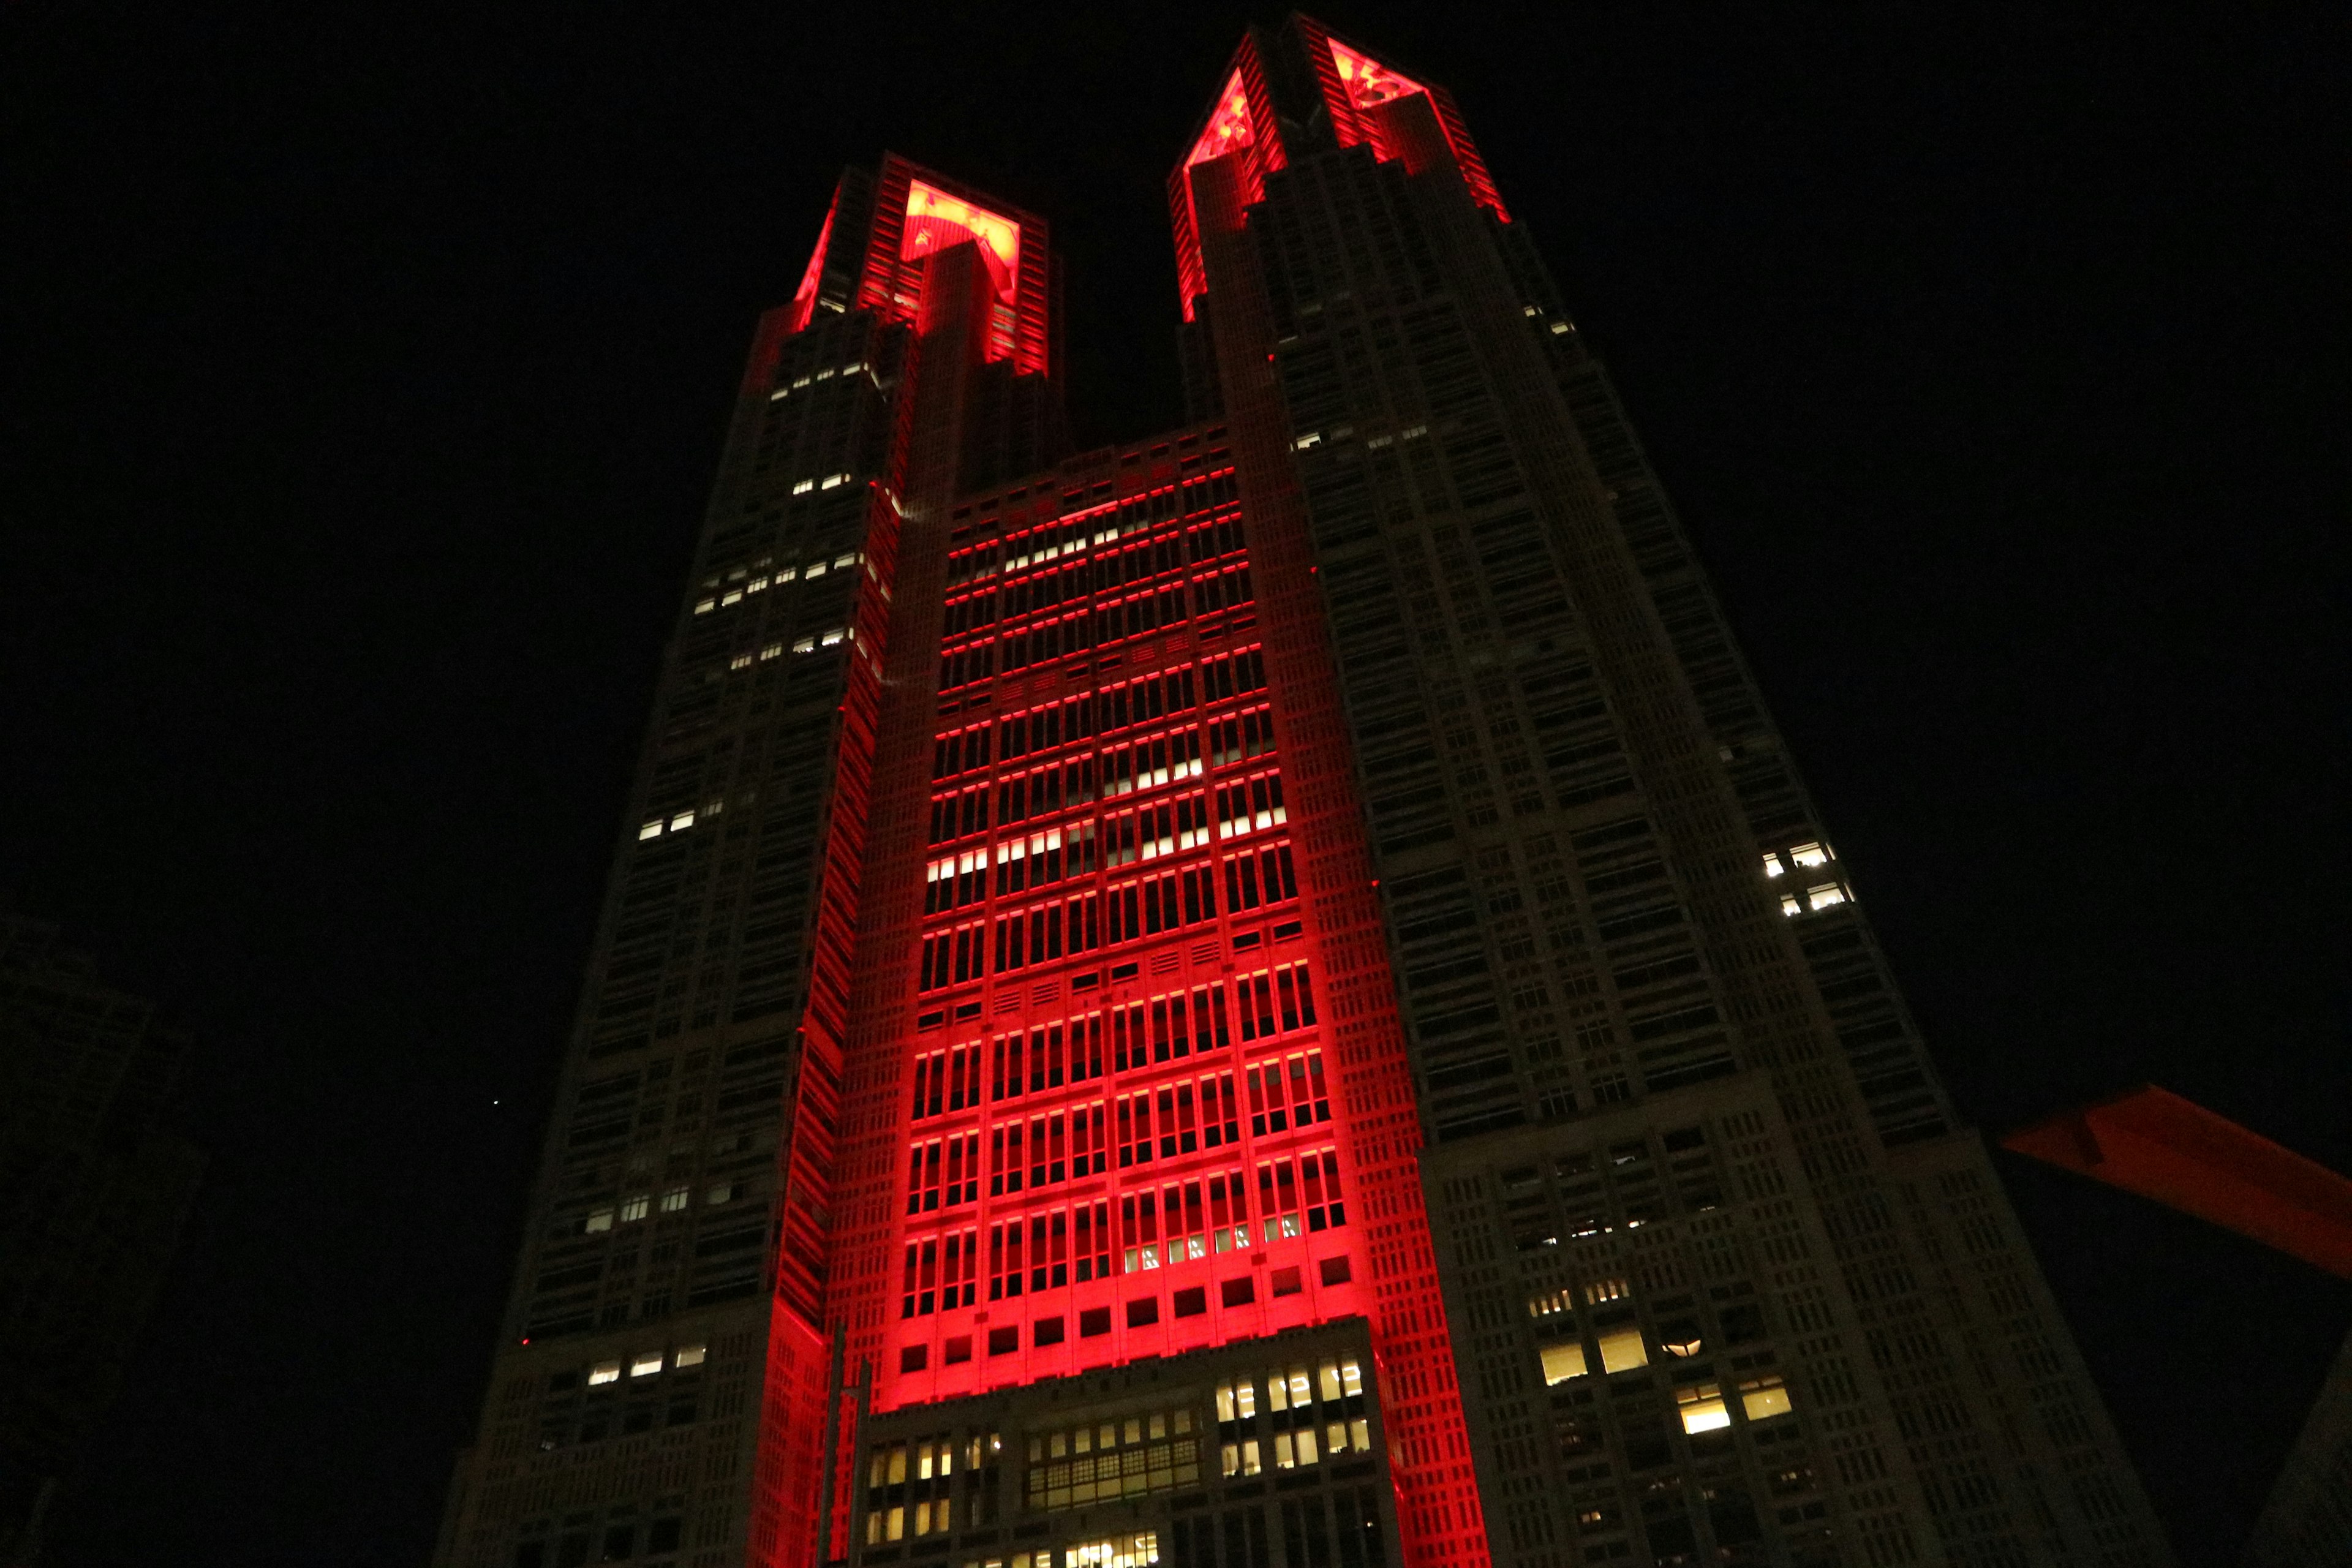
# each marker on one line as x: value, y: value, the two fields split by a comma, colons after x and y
x: 1299, y: 926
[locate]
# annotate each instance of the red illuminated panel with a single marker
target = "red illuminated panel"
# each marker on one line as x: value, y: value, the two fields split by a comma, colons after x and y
x: 804, y: 297
x: 1367, y: 80
x: 1358, y: 90
x: 1229, y: 124
x: 1240, y: 124
x: 936, y: 221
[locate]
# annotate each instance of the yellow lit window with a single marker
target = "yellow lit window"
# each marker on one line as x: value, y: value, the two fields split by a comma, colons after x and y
x: 604, y: 1371
x: 682, y: 821
x: 1761, y: 1399
x: 691, y: 1355
x: 1701, y: 1408
x: 1772, y: 866
x: 646, y: 1363
x: 651, y: 829
x: 1826, y: 895
x: 1622, y: 1350
x: 1562, y: 1361
x: 600, y: 1220
x: 1789, y: 905
x: 1810, y: 855
x: 635, y: 1209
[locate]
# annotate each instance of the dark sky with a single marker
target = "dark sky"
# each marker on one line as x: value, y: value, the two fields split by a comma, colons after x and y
x: 365, y: 371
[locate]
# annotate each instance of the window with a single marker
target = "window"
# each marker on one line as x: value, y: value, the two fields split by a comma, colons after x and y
x: 1772, y: 866
x: 600, y: 1220
x: 1622, y: 1350
x: 650, y: 830
x: 1790, y: 906
x: 1810, y: 855
x: 675, y: 1199
x: 1680, y: 1338
x: 1562, y: 1361
x: 645, y: 1364
x: 1761, y: 1399
x: 1825, y: 895
x: 691, y: 1355
x: 1701, y: 1408
x: 604, y: 1371
x: 723, y: 1193
x: 681, y: 822
x: 635, y: 1209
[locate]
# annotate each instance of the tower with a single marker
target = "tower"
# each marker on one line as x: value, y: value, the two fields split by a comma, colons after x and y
x: 1269, y: 989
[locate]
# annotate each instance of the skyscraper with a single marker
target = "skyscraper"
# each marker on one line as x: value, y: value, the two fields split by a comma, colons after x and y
x: 1268, y: 989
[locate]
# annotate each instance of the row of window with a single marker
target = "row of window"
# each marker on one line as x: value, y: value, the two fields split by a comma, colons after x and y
x: 1097, y: 525
x: 1166, y: 901
x: 779, y: 576
x: 1041, y: 642
x: 1050, y: 589
x: 640, y: 1205
x: 643, y: 1364
x: 1143, y: 765
x: 1113, y: 708
x: 1157, y: 1227
x: 1164, y: 1028
x: 1187, y: 1301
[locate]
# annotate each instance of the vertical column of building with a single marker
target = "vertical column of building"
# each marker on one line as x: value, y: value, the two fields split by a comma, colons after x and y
x: 1439, y: 1508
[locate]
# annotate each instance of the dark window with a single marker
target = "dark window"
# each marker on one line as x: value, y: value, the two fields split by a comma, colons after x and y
x: 959, y: 1348
x: 1335, y: 1270
x: 620, y: 1544
x: 571, y: 1550
x: 1004, y: 1341
x: 663, y: 1535
x: 1286, y: 1282
x: 914, y: 1358
x: 1143, y: 1313
x: 1191, y: 1302
x: 1048, y: 1331
x: 530, y: 1555
x: 1238, y: 1292
x: 1093, y: 1320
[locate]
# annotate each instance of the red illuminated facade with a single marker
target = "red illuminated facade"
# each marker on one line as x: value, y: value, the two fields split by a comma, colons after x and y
x: 1261, y: 995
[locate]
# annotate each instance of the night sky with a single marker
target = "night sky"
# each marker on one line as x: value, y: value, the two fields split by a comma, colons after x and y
x: 365, y: 374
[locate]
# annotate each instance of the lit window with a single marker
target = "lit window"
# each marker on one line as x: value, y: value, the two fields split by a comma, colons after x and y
x: 829, y: 638
x: 635, y: 1209
x: 848, y: 558
x: 704, y: 606
x: 1761, y: 1399
x: 600, y: 1220
x: 1810, y: 855
x: 651, y: 829
x: 1772, y: 866
x: 604, y: 1371
x: 771, y: 650
x: 853, y: 367
x: 816, y: 569
x: 1789, y: 905
x: 740, y: 661
x: 1825, y: 895
x: 1681, y: 1339
x: 673, y: 1200
x: 756, y: 585
x: 646, y: 1363
x: 803, y: 486
x: 825, y: 374
x: 1310, y: 440
x: 779, y: 392
x: 732, y: 595
x: 1527, y: 309
x: 1601, y: 1290
x: 691, y: 1355
x: 682, y: 821
x: 833, y: 480
x: 723, y: 1193
x: 805, y: 645
x: 1559, y: 326
x: 1701, y: 1408
x: 1409, y: 432
x: 1622, y: 1350
x: 804, y: 381
x: 787, y: 573
x: 1563, y: 1362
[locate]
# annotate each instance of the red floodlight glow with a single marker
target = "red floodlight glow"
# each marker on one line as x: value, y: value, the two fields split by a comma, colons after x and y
x: 937, y: 221
x: 1369, y: 82
x: 1229, y: 124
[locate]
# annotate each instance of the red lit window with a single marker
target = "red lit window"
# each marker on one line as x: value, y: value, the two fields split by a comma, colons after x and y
x: 939, y: 1273
x: 1287, y: 1092
x: 1220, y: 1112
x: 1260, y: 877
x: 1133, y: 1128
x: 1220, y: 590
x: 1245, y: 735
x: 1091, y: 1240
x: 1300, y: 1195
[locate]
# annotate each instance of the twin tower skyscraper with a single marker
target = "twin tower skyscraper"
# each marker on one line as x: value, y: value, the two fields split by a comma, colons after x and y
x: 1267, y: 994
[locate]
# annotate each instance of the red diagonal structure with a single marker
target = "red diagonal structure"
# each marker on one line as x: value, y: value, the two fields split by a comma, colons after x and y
x: 2155, y: 1144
